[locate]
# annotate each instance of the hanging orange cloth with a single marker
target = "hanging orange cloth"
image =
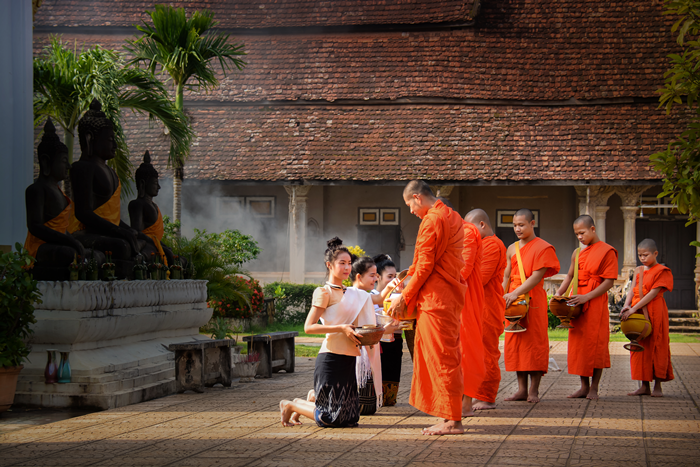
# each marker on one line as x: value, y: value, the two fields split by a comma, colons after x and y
x: 155, y: 232
x: 471, y: 332
x: 437, y: 290
x: 655, y: 361
x: 109, y: 211
x: 58, y: 223
x: 529, y: 350
x: 590, y: 337
x: 493, y: 265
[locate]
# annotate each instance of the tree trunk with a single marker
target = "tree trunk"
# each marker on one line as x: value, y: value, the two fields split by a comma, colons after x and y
x: 178, y: 166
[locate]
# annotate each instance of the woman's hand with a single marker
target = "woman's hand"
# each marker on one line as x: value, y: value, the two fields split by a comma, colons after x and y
x: 392, y: 327
x: 349, y: 331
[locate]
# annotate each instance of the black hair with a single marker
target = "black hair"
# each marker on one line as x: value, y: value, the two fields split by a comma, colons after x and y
x: 648, y: 244
x: 586, y: 220
x: 335, y: 247
x: 383, y: 261
x: 529, y: 216
x: 360, y: 265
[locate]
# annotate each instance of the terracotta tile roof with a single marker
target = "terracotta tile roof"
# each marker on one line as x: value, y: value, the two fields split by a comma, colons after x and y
x: 451, y: 143
x: 260, y: 13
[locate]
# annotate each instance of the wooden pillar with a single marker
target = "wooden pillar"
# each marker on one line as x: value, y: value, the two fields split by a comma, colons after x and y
x: 297, y: 232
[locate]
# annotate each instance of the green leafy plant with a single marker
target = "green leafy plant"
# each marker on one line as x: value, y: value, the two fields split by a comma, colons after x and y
x: 552, y: 321
x: 221, y: 328
x: 18, y: 294
x: 235, y: 307
x: 679, y: 163
x: 294, y: 305
x: 67, y: 80
x: 184, y: 48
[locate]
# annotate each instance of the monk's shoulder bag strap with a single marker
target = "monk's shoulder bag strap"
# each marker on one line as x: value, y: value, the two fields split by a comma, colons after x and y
x: 521, y: 270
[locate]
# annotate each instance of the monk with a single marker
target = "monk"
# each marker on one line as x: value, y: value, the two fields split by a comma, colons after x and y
x: 493, y: 265
x: 654, y: 362
x: 48, y: 208
x: 471, y: 333
x: 590, y: 336
x: 144, y: 214
x: 527, y: 352
x: 436, y: 291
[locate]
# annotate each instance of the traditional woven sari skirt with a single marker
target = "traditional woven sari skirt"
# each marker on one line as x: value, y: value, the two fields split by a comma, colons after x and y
x: 337, y: 402
x: 392, y: 353
x: 368, y: 398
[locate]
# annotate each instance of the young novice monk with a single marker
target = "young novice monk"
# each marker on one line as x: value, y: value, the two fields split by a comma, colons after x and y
x: 527, y: 352
x: 654, y: 362
x: 339, y: 309
x: 590, y: 336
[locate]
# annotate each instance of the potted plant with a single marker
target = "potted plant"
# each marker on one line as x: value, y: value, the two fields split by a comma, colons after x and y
x: 74, y: 269
x: 93, y: 271
x: 18, y: 294
x: 108, y: 267
x: 140, y: 269
x: 176, y: 269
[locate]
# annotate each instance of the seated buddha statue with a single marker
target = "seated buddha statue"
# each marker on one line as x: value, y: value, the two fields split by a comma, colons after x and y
x: 97, y: 190
x: 144, y: 214
x: 49, y: 209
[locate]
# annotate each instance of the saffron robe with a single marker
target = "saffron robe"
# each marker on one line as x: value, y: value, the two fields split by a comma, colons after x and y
x: 655, y: 361
x: 58, y: 223
x: 109, y: 211
x: 493, y: 265
x: 590, y: 337
x: 437, y: 290
x: 471, y: 328
x: 155, y: 232
x: 529, y: 350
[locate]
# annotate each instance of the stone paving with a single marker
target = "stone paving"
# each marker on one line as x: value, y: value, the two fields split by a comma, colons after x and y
x: 240, y: 427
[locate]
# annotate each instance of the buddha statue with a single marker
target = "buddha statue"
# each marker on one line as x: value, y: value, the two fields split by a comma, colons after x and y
x: 97, y: 191
x: 49, y: 211
x: 144, y: 213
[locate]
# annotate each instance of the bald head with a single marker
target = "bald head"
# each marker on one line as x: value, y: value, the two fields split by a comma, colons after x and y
x: 475, y: 216
x: 584, y: 220
x: 529, y: 216
x: 647, y: 244
x: 417, y: 187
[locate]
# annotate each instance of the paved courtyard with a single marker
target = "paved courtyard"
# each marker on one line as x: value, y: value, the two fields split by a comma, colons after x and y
x: 240, y: 427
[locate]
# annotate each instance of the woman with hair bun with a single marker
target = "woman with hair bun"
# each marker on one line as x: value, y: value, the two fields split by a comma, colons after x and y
x: 339, y: 309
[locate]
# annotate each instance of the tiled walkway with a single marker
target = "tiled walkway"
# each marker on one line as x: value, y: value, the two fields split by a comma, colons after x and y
x: 240, y: 427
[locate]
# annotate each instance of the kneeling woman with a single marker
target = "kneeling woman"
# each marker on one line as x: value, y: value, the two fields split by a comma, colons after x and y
x: 337, y: 403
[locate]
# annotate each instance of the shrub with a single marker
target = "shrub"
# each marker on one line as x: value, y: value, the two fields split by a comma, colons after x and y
x: 553, y: 321
x: 242, y: 306
x: 293, y: 306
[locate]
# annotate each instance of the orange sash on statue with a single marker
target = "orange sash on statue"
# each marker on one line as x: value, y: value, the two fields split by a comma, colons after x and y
x: 58, y: 223
x: 155, y: 232
x: 109, y: 211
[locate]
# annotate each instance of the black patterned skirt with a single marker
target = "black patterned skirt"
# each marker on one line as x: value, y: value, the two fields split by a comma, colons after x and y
x: 337, y: 401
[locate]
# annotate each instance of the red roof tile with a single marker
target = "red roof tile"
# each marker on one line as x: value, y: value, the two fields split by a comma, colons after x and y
x: 450, y: 143
x: 259, y: 13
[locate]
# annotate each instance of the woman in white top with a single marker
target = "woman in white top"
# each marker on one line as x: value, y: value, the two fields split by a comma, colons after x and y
x: 339, y: 309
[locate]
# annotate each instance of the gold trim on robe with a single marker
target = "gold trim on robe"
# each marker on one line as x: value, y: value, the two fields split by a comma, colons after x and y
x: 58, y: 223
x: 109, y: 211
x: 155, y: 232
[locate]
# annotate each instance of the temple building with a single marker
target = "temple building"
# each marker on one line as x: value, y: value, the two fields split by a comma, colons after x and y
x: 499, y: 104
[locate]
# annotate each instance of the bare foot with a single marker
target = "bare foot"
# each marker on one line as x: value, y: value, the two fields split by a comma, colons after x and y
x: 657, y: 392
x: 580, y: 394
x: 642, y: 391
x: 286, y: 412
x: 533, y: 397
x: 448, y: 427
x: 482, y: 405
x: 469, y: 413
x: 294, y: 419
x: 518, y: 396
x: 592, y: 394
x: 467, y: 407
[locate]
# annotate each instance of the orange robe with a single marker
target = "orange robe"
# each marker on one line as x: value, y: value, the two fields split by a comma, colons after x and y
x: 529, y: 350
x: 590, y: 336
x: 437, y: 290
x: 109, y: 211
x: 58, y: 223
x: 155, y: 232
x: 655, y: 361
x: 493, y: 265
x: 471, y: 329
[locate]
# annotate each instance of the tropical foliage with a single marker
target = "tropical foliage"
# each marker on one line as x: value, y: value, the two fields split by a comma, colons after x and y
x: 67, y: 80
x: 184, y: 49
x: 679, y: 164
x: 234, y: 307
x: 18, y: 294
x: 292, y: 301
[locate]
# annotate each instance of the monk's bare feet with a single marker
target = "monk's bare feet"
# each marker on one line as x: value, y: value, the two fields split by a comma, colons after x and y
x: 642, y: 391
x: 657, y: 392
x: 580, y: 394
x: 286, y: 412
x: 467, y: 407
x: 592, y: 394
x: 518, y: 396
x: 483, y: 405
x: 533, y: 397
x: 448, y: 427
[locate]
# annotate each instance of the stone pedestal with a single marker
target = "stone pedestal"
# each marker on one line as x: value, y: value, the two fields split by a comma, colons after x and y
x: 117, y: 334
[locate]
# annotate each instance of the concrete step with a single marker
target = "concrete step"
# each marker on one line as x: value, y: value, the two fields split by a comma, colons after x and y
x: 684, y: 322
x: 685, y: 329
x: 683, y: 314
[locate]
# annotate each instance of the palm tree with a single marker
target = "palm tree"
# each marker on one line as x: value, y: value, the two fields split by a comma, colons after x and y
x: 183, y: 49
x: 66, y: 81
